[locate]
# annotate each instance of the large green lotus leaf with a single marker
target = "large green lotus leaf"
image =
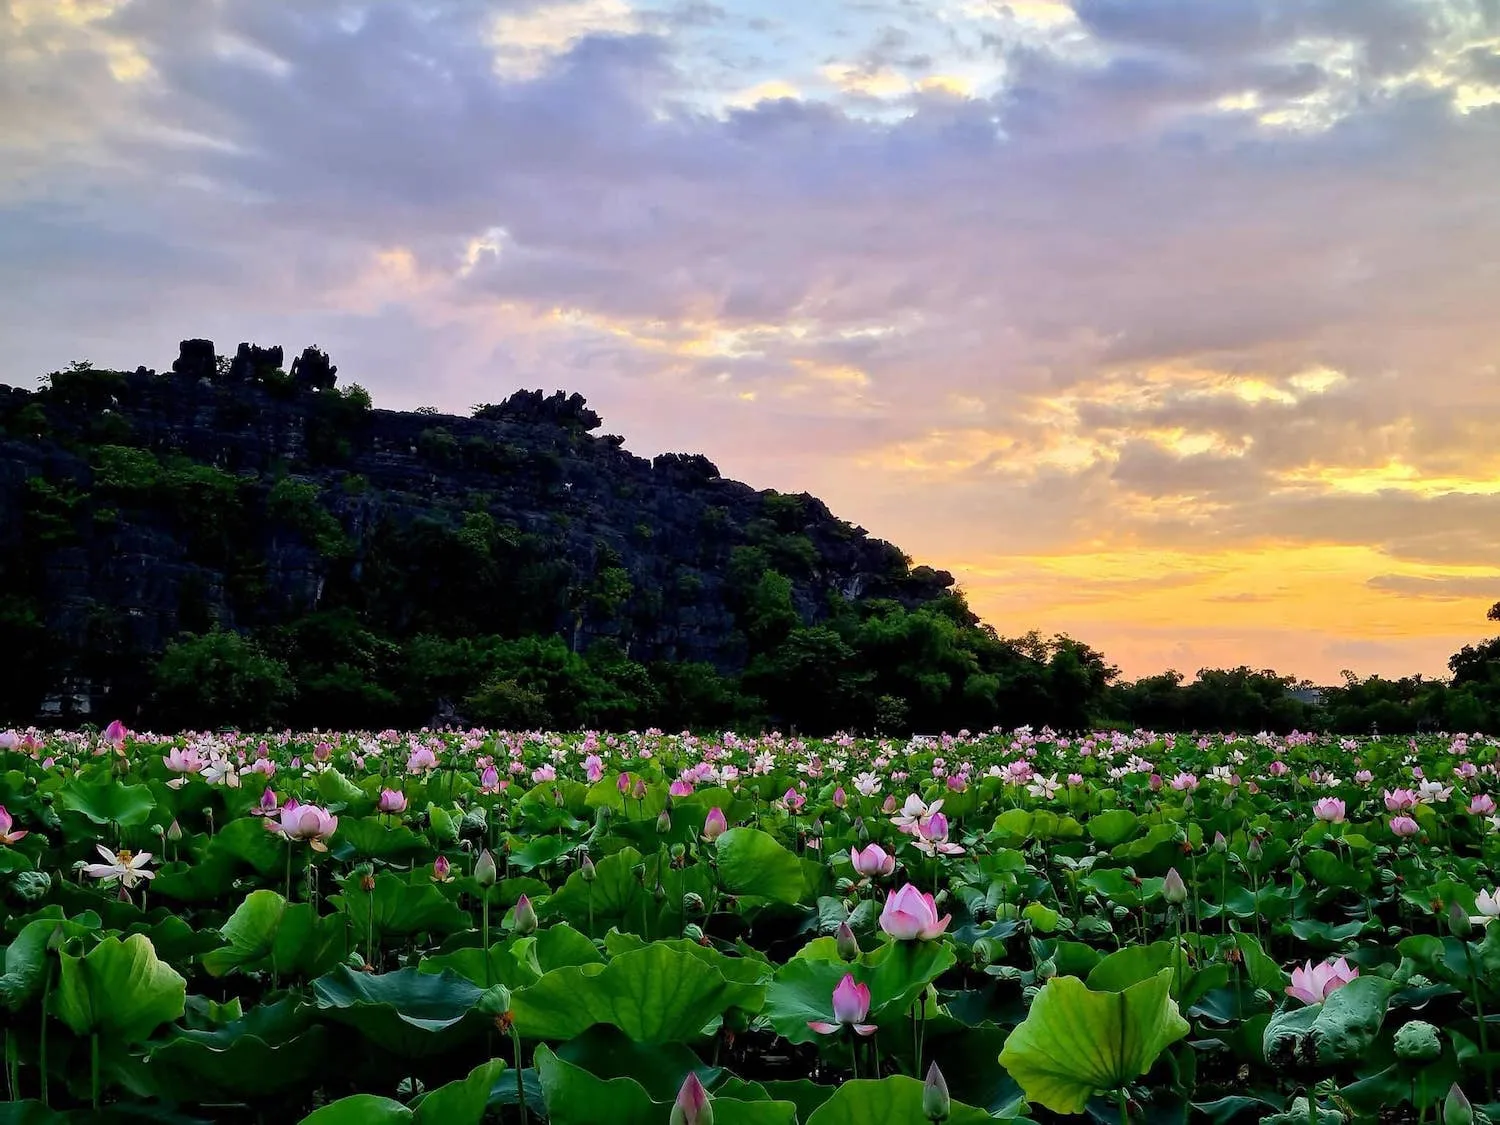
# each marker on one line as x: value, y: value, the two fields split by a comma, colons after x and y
x: 336, y: 789
x: 26, y: 956
x: 373, y: 837
x: 896, y: 974
x: 1113, y: 827
x: 206, y: 880
x: 1133, y: 964
x: 653, y: 995
x: 560, y: 945
x: 406, y: 1012
x: 175, y: 941
x: 462, y: 1102
x: 1075, y: 1042
x: 1332, y: 871
x: 398, y: 907
x: 744, y: 970
x: 270, y: 1050
x: 896, y: 1100
x: 249, y: 841
x: 1340, y: 1029
x: 1120, y: 888
x: 1263, y: 971
x: 105, y: 800
x: 288, y: 937
x: 576, y: 1097
x: 751, y: 862
x: 120, y: 989
x: 29, y: 1113
x: 539, y: 851
x: 616, y: 889
x: 360, y: 1109
x: 511, y: 962
x: 607, y: 1052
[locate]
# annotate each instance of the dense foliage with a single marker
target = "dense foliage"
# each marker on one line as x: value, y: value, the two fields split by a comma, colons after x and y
x: 488, y: 926
x: 231, y: 543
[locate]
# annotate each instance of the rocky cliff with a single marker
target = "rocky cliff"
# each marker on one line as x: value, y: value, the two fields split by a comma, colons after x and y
x: 243, y: 493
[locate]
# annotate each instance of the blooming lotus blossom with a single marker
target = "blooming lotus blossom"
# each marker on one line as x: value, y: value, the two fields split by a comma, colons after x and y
x: 1399, y: 800
x: 1312, y: 984
x: 867, y: 784
x: 306, y: 822
x: 421, y: 760
x: 1364, y: 777
x: 913, y: 813
x: 851, y: 1004
x: 911, y: 915
x: 126, y: 868
x: 682, y: 787
x: 932, y: 837
x: 1043, y: 788
x: 872, y: 861
x: 593, y: 768
x: 266, y: 806
x: 1431, y: 792
x: 392, y: 801
x: 6, y: 835
x: 793, y: 801
x: 1481, y: 804
x: 715, y: 824
x: 220, y: 771
x: 1184, y: 782
x: 1329, y: 809
x: 1488, y: 905
x: 183, y: 760
x: 489, y: 780
x: 1404, y: 826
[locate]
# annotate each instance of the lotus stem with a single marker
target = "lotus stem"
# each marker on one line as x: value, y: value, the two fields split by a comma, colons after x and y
x: 515, y: 1040
x: 1484, y: 1035
x: 94, y: 1067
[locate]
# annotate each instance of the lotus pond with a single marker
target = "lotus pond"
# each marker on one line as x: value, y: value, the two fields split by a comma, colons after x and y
x: 480, y: 926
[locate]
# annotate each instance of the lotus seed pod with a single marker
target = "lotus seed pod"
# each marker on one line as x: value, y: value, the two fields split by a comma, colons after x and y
x: 1417, y: 1041
x: 692, y: 904
x: 693, y: 932
x: 1417, y: 980
x: 1120, y: 913
x: 1262, y: 997
x: 1030, y: 993
x: 1387, y: 875
x: 984, y: 951
x: 31, y: 886
x: 1046, y: 970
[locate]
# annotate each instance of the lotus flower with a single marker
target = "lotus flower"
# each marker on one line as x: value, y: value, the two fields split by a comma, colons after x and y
x: 442, y: 870
x: 851, y: 1004
x: 932, y: 837
x: 6, y: 835
x: 793, y: 801
x: 910, y: 915
x: 1329, y: 809
x: 936, y: 1101
x: 525, y: 916
x: 1488, y: 905
x: 485, y: 871
x: 840, y: 798
x: 1404, y: 826
x: 1399, y: 800
x: 126, y: 867
x: 715, y: 824
x: 692, y: 1106
x: 115, y: 733
x: 1481, y: 804
x: 682, y: 787
x: 872, y: 861
x: 1312, y: 984
x: 392, y: 801
x: 182, y: 760
x: 307, y: 822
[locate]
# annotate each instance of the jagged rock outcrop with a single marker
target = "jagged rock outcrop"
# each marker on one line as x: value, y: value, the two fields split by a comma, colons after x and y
x: 135, y: 506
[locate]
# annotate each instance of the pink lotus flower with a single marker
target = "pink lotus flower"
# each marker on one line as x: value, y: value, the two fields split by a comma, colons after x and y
x: 6, y: 835
x: 1277, y: 769
x: 184, y: 760
x: 793, y: 801
x: 715, y: 824
x: 421, y: 760
x: 682, y: 787
x: 1399, y: 800
x: 851, y: 1004
x: 1364, y: 777
x: 840, y: 798
x: 1312, y: 984
x: 266, y: 806
x: 442, y: 870
x: 392, y: 802
x: 622, y: 783
x: 910, y: 915
x: 306, y: 822
x: 932, y: 837
x: 872, y: 861
x: 1329, y: 809
x: 692, y: 1104
x: 1184, y: 782
x: 115, y: 733
x: 1481, y: 804
x: 593, y: 767
x: 1404, y: 826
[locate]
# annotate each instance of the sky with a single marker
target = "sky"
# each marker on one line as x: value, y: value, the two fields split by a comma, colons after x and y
x: 1170, y: 324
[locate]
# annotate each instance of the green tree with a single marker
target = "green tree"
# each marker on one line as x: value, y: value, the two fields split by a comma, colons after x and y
x: 221, y: 677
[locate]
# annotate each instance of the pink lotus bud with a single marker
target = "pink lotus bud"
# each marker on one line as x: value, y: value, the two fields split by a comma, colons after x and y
x: 622, y: 783
x: 1173, y: 889
x: 441, y: 869
x: 840, y: 798
x: 692, y: 1106
x: 715, y: 824
x: 936, y: 1103
x: 525, y: 916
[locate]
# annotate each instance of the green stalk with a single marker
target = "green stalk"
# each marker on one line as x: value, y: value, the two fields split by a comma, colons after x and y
x: 853, y: 1051
x: 41, y: 1050
x: 94, y: 1067
x: 1484, y: 1035
x: 515, y: 1039
x: 484, y: 935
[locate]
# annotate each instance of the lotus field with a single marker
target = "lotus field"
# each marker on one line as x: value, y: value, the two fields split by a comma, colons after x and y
x: 450, y: 928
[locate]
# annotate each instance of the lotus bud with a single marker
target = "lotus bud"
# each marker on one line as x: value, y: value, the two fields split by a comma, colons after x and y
x: 984, y: 951
x: 935, y: 1100
x: 174, y: 831
x: 840, y: 798
x: 1227, y: 803
x: 485, y: 871
x: 1221, y: 845
x: 525, y: 916
x: 861, y: 833
x: 1187, y: 803
x: 1253, y: 852
x: 441, y: 869
x: 715, y: 824
x: 659, y: 892
x: 1458, y: 921
x: 664, y: 822
x: 1294, y: 864
x: 692, y: 1106
x: 639, y: 792
x: 1173, y: 889
x: 692, y: 903
x: 848, y: 944
x: 587, y: 870
x: 1456, y: 1108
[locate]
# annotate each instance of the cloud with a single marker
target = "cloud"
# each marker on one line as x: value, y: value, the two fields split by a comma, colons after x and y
x: 1195, y: 281
x: 1465, y: 588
